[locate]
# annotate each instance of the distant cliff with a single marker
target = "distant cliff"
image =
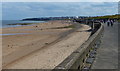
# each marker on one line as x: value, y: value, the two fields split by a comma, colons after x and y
x: 36, y: 19
x: 48, y: 18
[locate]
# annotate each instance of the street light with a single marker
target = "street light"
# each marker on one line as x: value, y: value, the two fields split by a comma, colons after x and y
x: 93, y: 26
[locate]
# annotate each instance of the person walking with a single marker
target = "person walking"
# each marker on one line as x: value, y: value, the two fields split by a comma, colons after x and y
x: 111, y: 22
x: 108, y: 22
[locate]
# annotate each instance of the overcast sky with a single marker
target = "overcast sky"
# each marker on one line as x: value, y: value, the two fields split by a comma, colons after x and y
x: 20, y: 10
x: 60, y: 0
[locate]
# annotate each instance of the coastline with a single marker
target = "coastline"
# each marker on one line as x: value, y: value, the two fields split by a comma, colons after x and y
x: 12, y: 43
x: 17, y: 23
x: 41, y: 35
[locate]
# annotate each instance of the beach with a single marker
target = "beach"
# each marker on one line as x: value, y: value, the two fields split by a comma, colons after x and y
x: 41, y: 46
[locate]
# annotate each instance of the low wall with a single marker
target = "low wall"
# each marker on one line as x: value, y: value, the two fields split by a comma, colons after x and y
x: 84, y: 56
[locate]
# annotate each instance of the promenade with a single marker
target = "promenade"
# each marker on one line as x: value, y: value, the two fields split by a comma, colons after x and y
x: 107, y: 54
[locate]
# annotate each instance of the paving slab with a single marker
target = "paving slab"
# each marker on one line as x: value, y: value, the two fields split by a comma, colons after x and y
x: 107, y: 54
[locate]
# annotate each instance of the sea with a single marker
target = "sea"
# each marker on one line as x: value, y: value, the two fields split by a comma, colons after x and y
x: 4, y: 23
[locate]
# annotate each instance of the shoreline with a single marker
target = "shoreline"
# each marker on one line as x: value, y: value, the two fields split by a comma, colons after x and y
x: 17, y: 23
x: 37, y: 40
x: 11, y: 44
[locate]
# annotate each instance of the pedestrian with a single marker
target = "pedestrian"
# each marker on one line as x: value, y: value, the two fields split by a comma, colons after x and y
x: 111, y: 22
x: 108, y: 22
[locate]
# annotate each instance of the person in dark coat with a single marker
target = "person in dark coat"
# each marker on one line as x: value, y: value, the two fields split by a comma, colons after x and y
x: 108, y: 22
x: 111, y: 22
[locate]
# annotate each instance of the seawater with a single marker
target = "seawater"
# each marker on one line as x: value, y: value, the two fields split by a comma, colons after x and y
x: 4, y: 23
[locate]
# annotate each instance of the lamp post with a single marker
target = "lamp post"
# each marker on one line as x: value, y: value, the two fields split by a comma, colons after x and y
x: 93, y: 26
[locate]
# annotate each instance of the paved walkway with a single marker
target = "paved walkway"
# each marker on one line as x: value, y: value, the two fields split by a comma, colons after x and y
x: 107, y: 54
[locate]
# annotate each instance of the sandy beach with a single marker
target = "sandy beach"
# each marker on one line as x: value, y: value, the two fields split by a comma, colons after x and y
x: 40, y: 46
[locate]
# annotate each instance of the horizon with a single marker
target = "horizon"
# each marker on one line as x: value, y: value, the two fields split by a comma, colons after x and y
x: 21, y: 10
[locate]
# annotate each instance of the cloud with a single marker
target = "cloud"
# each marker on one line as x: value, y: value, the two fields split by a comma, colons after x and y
x: 60, y: 0
x: 20, y: 10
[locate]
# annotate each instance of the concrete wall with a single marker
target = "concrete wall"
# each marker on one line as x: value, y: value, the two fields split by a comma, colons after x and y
x: 84, y: 56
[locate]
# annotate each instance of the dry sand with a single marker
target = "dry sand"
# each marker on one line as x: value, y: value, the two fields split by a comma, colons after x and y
x: 36, y: 44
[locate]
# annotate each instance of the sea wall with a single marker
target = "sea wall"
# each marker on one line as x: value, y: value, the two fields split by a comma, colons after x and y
x: 84, y: 56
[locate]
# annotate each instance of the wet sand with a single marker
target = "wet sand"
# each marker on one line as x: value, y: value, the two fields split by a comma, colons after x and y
x: 34, y: 50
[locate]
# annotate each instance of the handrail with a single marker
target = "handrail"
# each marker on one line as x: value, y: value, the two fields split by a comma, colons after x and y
x: 77, y: 60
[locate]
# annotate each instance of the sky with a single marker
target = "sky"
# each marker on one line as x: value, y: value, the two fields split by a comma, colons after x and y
x: 60, y: 0
x: 21, y: 10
